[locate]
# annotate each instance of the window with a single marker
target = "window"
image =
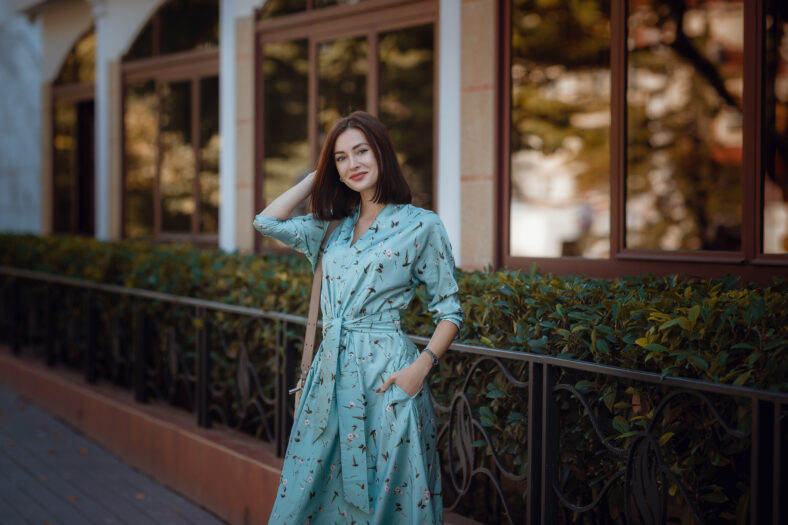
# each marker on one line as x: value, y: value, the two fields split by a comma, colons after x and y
x: 631, y: 137
x: 73, y: 140
x: 171, y: 125
x: 318, y: 63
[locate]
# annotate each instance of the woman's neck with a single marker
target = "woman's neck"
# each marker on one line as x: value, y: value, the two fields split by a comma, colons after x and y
x: 369, y: 208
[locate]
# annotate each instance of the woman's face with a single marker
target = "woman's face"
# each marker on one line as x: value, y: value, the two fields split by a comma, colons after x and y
x: 355, y: 161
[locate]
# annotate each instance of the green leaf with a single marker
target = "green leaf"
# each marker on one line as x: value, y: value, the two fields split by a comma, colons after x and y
x: 698, y: 360
x: 744, y: 346
x: 664, y: 438
x: 584, y: 386
x: 654, y: 347
x: 742, y: 378
x: 620, y: 424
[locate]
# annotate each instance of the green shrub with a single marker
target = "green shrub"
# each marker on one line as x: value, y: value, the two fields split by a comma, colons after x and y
x: 719, y: 330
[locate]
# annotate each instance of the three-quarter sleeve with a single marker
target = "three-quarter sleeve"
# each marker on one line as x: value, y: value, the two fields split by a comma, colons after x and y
x: 434, y: 267
x: 303, y: 234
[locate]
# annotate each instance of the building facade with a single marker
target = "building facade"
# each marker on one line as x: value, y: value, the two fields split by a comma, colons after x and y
x: 604, y: 137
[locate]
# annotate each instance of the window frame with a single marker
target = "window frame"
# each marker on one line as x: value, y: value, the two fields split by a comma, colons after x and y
x: 317, y: 25
x: 750, y: 262
x: 71, y: 93
x: 191, y: 66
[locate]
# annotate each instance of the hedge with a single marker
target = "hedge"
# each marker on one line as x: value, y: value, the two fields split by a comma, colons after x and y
x: 719, y: 330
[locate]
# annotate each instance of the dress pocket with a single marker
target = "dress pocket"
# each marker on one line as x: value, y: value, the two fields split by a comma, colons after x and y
x: 402, y: 392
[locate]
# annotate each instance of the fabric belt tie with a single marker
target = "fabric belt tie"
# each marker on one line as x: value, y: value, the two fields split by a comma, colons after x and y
x: 352, y: 417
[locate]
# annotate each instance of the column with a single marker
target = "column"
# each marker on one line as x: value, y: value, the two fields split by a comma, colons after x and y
x: 102, y: 121
x: 227, y: 190
x: 449, y: 122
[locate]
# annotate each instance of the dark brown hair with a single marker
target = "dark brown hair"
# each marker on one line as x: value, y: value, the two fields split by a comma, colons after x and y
x: 330, y: 198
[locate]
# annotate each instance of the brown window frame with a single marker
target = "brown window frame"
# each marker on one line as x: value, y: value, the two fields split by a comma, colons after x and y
x: 189, y: 66
x: 750, y: 263
x: 317, y: 25
x: 73, y: 93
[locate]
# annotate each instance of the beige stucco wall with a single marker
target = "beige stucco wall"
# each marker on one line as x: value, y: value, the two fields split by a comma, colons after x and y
x: 244, y: 132
x: 478, y: 132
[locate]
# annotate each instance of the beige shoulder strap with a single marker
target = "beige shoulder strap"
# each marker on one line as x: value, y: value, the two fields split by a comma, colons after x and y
x: 314, y: 307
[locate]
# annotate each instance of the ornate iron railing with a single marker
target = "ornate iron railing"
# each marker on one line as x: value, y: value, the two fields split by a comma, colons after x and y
x: 525, y: 438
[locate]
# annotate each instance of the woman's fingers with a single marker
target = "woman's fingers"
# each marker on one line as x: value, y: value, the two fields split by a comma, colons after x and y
x: 387, y: 383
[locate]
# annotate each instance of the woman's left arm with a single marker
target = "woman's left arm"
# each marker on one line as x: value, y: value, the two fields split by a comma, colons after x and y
x: 412, y: 377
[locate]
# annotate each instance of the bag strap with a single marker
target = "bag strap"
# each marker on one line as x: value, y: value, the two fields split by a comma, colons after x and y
x: 314, y: 306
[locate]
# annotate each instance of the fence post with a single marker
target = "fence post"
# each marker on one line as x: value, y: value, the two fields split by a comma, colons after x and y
x: 49, y: 349
x: 763, y: 491
x: 89, y: 357
x: 16, y: 318
x: 203, y: 369
x: 542, y: 506
x: 140, y: 376
x: 535, y: 404
x: 285, y: 366
x: 550, y: 445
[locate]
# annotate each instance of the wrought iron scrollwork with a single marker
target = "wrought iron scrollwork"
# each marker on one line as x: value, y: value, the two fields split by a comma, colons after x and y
x: 460, y: 430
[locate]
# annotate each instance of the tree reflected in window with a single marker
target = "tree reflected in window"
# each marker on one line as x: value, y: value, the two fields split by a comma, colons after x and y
x: 775, y: 181
x: 684, y: 136
x: 560, y: 129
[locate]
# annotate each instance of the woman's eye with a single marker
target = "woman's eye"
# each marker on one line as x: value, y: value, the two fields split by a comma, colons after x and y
x: 339, y: 159
x: 362, y: 151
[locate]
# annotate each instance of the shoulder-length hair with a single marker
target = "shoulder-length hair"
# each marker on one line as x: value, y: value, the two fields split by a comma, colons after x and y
x: 330, y: 198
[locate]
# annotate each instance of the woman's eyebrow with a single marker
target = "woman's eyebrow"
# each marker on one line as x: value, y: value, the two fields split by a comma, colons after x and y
x: 354, y: 147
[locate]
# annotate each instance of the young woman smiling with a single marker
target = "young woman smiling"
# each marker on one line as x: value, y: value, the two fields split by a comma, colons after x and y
x: 363, y: 445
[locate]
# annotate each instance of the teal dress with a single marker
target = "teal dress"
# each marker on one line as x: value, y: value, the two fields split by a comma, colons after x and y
x: 356, y: 456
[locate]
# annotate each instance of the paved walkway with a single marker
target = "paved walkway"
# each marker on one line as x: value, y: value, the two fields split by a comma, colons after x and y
x: 50, y: 474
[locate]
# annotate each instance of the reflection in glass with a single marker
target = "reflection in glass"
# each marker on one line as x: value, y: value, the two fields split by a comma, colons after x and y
x: 274, y: 8
x: 406, y: 84
x: 176, y: 182
x: 342, y: 80
x: 209, y: 155
x: 79, y: 65
x: 775, y: 182
x: 560, y: 126
x: 140, y: 153
x: 65, y: 153
x: 684, y: 137
x: 188, y: 24
x: 285, y: 98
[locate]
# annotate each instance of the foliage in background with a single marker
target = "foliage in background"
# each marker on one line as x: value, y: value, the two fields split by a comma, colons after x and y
x: 718, y: 330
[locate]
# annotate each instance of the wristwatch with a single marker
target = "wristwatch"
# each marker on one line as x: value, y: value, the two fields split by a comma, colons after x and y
x: 432, y: 356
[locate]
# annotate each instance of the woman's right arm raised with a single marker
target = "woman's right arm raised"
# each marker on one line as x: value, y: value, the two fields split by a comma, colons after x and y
x: 282, y: 206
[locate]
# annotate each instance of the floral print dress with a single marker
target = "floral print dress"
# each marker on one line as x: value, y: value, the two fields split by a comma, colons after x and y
x: 356, y: 456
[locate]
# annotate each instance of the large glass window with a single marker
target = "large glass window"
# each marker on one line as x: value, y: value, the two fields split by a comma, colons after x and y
x: 73, y: 140
x: 775, y: 181
x: 286, y: 100
x: 141, y: 126
x: 315, y: 73
x: 171, y: 126
x: 684, y: 133
x: 559, y: 182
x: 628, y: 146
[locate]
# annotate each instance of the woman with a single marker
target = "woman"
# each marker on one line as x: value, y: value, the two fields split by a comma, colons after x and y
x: 363, y: 448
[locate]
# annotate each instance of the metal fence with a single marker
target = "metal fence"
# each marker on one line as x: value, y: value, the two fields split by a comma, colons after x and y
x: 524, y: 438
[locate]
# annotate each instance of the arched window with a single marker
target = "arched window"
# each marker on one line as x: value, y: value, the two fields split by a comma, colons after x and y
x: 73, y: 140
x: 171, y: 125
